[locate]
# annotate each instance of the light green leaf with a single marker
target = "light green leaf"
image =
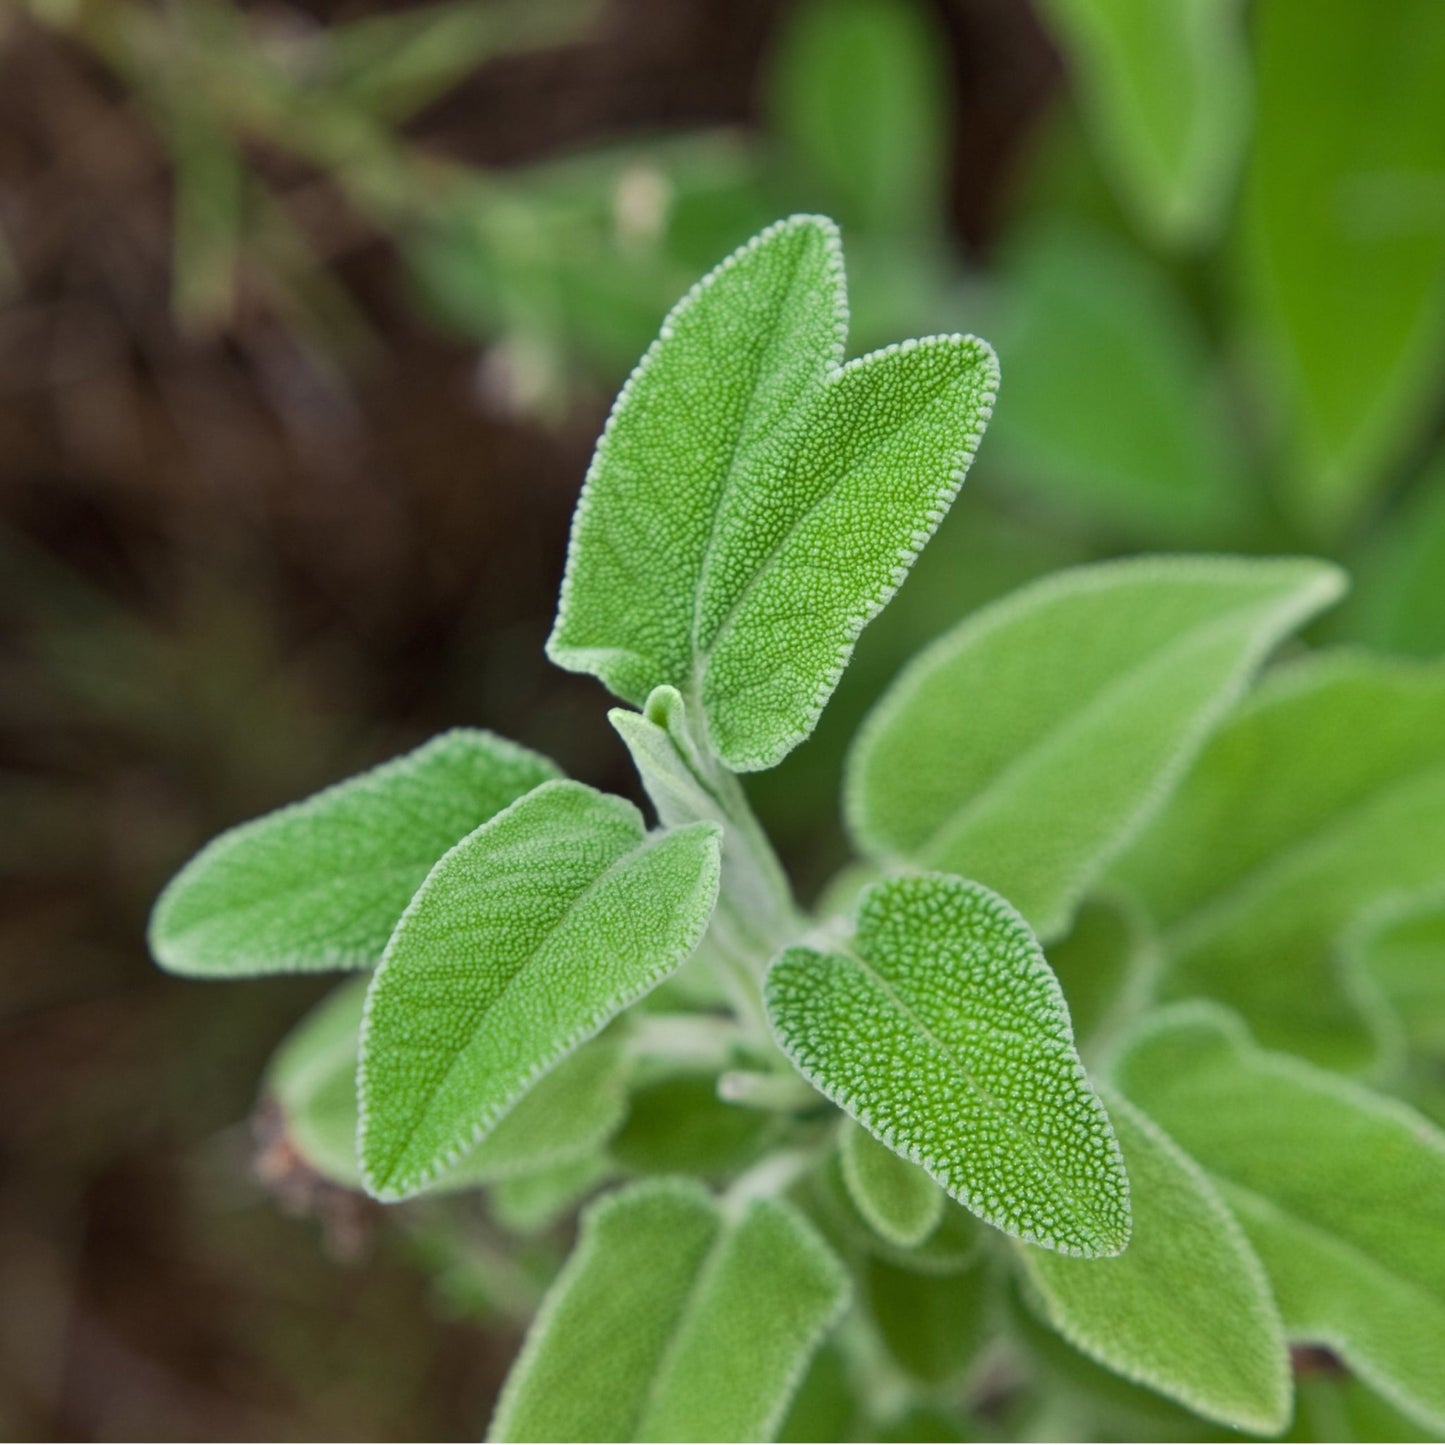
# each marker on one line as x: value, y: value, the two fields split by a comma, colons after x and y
x: 1113, y: 407
x: 754, y: 502
x: 567, y: 1115
x: 1186, y: 1309
x: 1399, y: 596
x: 1027, y: 746
x: 1341, y: 1191
x: 528, y: 937
x: 932, y: 1325
x: 674, y: 1320
x: 1321, y: 799
x: 530, y: 1203
x: 1402, y: 953
x: 1165, y: 92
x: 860, y: 94
x: 680, y: 1126
x: 942, y: 1031
x: 953, y: 1247
x: 1106, y: 965
x: 320, y: 884
x: 897, y: 1198
x: 1342, y: 239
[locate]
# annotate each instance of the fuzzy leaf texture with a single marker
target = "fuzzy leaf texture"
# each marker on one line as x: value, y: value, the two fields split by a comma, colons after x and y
x: 1322, y: 799
x: 941, y: 1030
x: 1026, y: 746
x: 1186, y: 1309
x: 1341, y: 1191
x: 321, y: 883
x: 527, y: 938
x: 1165, y: 91
x: 570, y: 1112
x: 901, y: 1203
x: 753, y: 501
x: 674, y: 1319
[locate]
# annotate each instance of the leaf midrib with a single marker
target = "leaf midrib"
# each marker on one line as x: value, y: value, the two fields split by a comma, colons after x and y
x: 957, y: 1066
x: 485, y: 1125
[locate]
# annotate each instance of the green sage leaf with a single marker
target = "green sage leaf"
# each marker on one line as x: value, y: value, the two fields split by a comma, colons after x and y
x: 674, y: 1320
x: 1165, y: 92
x: 570, y: 1113
x: 1341, y: 1191
x: 897, y: 1198
x: 528, y: 937
x: 1027, y: 746
x: 753, y: 502
x: 942, y: 1031
x: 933, y: 1326
x: 1342, y: 247
x: 320, y: 884
x: 1321, y: 800
x: 1186, y: 1309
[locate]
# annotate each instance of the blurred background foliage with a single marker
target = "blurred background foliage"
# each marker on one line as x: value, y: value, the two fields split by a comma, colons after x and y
x: 310, y: 311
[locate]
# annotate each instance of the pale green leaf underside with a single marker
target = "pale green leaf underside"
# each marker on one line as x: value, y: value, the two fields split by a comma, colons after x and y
x: 1322, y: 799
x: 896, y: 1197
x: 566, y: 1116
x: 320, y: 884
x: 754, y: 502
x: 674, y: 1321
x: 1026, y: 746
x: 1341, y: 1191
x: 1165, y: 90
x: 528, y: 937
x: 1186, y: 1309
x: 942, y: 1031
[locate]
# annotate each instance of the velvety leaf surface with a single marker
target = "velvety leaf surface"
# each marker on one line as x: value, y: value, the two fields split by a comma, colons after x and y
x: 1025, y: 747
x: 1341, y: 1191
x: 931, y: 1325
x: 1322, y: 798
x: 528, y: 937
x: 1106, y: 965
x: 321, y: 883
x: 1113, y: 408
x: 1341, y: 237
x: 567, y: 1115
x: 754, y: 502
x: 1165, y: 91
x: 941, y: 1030
x: 1186, y: 1309
x: 896, y: 1197
x: 674, y: 1320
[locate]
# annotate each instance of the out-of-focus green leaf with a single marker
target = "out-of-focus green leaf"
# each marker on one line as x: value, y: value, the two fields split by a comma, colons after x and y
x: 1334, y: 1408
x: 1165, y: 91
x: 1399, y: 596
x: 824, y: 1407
x: 896, y: 1197
x: 1106, y: 965
x: 1186, y: 1309
x: 1343, y: 240
x: 674, y: 1320
x: 680, y: 1126
x: 320, y: 884
x: 1403, y: 955
x: 1341, y: 1191
x: 1025, y: 747
x: 530, y: 1203
x: 932, y: 1325
x: 1113, y: 408
x: 528, y: 937
x: 859, y: 95
x: 940, y: 1029
x: 1321, y: 799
